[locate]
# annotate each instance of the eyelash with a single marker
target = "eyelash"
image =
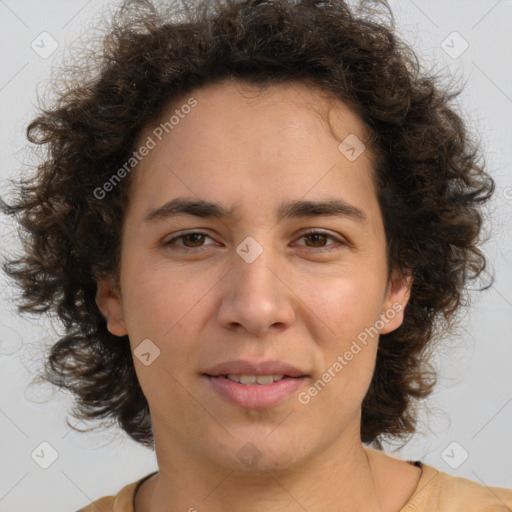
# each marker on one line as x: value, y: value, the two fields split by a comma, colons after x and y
x: 303, y: 235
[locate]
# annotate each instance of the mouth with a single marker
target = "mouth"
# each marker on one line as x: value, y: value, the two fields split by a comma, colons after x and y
x: 259, y: 380
x: 254, y: 385
x: 254, y: 391
x: 245, y: 369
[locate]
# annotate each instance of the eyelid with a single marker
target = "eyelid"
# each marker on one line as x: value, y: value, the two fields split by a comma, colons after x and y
x: 318, y: 231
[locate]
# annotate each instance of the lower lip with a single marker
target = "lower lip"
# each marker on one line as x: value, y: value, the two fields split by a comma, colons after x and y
x: 255, y: 396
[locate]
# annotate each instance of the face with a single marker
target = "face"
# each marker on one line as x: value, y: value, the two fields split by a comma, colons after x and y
x: 260, y: 276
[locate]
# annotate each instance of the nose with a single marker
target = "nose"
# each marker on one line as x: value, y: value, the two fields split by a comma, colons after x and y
x: 256, y: 296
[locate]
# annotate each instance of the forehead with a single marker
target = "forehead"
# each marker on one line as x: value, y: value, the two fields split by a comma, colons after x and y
x: 284, y: 135
x: 293, y: 106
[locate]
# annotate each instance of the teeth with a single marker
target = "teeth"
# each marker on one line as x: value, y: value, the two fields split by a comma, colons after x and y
x: 255, y: 379
x: 246, y: 379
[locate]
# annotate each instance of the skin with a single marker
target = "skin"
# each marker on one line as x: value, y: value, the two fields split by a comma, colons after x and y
x: 297, y: 302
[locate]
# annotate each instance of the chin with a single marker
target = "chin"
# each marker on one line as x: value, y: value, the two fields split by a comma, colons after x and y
x: 263, y: 452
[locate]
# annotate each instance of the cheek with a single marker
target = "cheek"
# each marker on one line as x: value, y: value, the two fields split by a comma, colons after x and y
x: 345, y: 311
x: 163, y: 304
x: 346, y: 305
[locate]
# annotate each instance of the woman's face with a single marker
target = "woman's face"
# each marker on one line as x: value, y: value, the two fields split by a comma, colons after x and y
x: 199, y: 290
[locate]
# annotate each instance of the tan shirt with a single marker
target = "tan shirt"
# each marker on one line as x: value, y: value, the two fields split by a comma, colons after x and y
x: 436, y: 492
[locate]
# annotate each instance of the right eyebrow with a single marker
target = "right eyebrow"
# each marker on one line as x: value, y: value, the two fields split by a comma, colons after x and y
x: 183, y: 206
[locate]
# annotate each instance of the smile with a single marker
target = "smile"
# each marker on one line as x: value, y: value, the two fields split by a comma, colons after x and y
x: 252, y: 379
x: 254, y: 391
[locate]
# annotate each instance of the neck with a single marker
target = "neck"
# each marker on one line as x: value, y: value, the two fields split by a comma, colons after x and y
x: 341, y: 479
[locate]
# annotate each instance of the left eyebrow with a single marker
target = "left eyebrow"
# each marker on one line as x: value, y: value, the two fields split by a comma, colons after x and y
x: 333, y: 207
x: 292, y: 209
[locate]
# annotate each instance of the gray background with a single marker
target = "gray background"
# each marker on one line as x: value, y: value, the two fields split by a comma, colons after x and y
x: 466, y: 426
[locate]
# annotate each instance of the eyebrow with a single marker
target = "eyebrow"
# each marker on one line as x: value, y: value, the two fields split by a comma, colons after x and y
x: 293, y: 209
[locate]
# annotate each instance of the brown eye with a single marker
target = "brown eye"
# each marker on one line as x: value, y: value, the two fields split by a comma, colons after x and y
x: 192, y: 240
x: 196, y: 239
x: 319, y: 239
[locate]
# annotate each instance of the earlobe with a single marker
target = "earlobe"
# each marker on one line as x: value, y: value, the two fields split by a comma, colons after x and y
x: 398, y: 295
x: 110, y: 305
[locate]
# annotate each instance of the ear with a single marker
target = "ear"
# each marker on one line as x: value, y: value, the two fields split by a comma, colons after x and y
x: 397, y: 297
x: 109, y: 303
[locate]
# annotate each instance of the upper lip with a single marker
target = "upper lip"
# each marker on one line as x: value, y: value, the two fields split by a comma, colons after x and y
x: 243, y: 367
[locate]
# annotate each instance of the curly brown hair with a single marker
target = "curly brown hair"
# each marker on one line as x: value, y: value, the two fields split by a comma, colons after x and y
x: 430, y: 179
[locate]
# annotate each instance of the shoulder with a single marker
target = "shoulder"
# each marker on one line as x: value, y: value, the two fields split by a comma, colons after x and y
x: 121, y: 502
x: 441, y: 492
